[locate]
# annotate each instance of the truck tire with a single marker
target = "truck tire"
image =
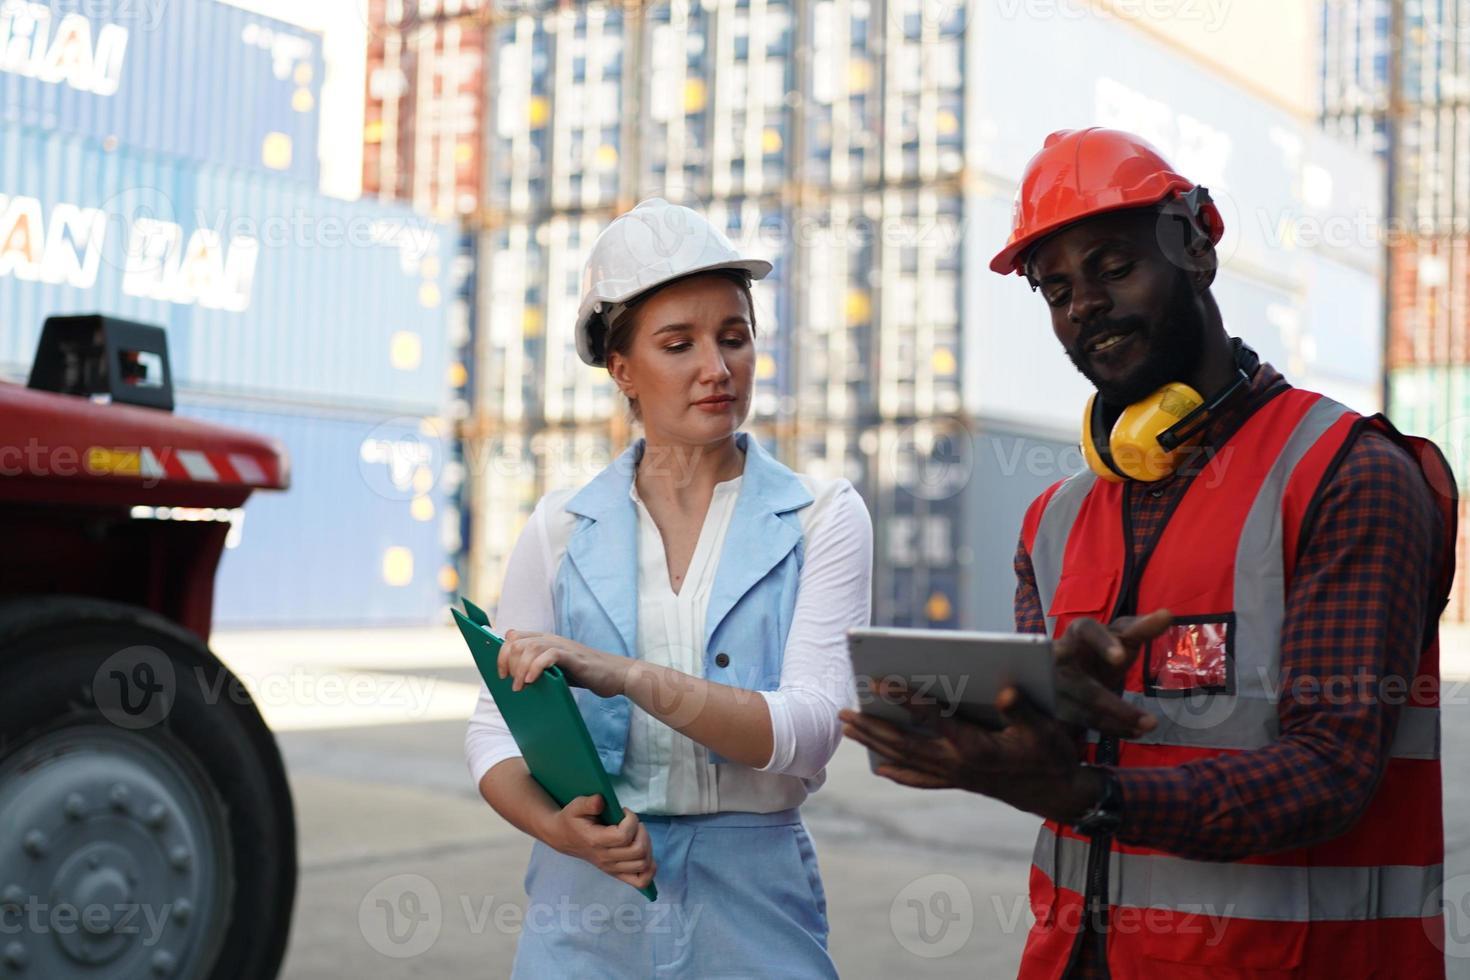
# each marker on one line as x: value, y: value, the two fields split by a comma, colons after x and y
x: 147, y: 821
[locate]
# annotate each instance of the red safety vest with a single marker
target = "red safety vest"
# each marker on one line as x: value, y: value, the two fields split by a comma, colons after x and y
x: 1364, y: 904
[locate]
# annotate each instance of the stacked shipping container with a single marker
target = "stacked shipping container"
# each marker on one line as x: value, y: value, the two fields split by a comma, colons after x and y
x: 871, y: 150
x: 201, y: 80
x: 1396, y: 76
x: 321, y: 322
x: 425, y: 99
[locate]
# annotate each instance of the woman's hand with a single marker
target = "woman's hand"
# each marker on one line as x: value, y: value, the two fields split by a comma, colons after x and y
x: 624, y: 851
x: 524, y: 656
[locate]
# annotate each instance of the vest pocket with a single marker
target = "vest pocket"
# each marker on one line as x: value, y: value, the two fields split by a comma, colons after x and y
x: 1195, y: 655
x: 1081, y: 594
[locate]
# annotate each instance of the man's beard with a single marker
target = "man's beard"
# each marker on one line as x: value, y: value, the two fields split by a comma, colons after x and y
x: 1177, y: 343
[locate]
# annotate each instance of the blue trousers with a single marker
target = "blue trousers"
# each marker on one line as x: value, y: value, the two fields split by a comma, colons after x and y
x: 739, y: 896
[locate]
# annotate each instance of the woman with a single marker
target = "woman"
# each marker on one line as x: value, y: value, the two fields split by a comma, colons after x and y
x: 697, y: 593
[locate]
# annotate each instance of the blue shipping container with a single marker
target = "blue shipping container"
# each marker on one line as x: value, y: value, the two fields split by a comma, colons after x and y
x: 267, y: 289
x: 358, y: 538
x: 192, y: 78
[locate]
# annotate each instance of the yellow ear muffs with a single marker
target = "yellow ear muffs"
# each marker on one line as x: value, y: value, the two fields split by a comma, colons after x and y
x: 1132, y: 449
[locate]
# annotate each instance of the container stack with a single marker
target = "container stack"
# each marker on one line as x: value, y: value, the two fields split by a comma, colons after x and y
x: 422, y: 133
x: 159, y: 163
x: 1393, y: 79
x: 871, y: 151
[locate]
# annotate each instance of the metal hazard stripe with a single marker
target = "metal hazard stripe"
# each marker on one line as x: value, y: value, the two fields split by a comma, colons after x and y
x: 247, y: 468
x: 198, y: 466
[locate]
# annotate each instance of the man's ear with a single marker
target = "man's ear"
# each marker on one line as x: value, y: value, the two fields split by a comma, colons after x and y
x: 1185, y: 242
x: 1205, y: 262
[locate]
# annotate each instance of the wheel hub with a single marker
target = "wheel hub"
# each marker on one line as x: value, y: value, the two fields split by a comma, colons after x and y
x: 122, y: 863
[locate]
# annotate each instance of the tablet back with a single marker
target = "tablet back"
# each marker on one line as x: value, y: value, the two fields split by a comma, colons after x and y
x: 960, y: 671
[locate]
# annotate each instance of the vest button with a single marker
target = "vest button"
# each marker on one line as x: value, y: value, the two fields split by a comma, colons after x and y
x: 722, y: 660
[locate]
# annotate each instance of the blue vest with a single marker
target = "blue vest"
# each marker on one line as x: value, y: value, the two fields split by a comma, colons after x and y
x: 750, y: 608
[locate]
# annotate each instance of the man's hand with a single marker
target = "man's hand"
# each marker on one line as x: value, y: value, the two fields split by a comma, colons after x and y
x: 1092, y: 660
x: 1032, y: 763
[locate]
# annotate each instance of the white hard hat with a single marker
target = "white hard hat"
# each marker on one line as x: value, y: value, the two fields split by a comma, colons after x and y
x: 652, y: 244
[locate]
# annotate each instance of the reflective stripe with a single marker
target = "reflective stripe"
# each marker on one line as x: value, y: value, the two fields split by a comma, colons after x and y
x: 1222, y: 721
x: 1209, y: 721
x: 1260, y: 575
x: 1050, y: 545
x: 1278, y: 893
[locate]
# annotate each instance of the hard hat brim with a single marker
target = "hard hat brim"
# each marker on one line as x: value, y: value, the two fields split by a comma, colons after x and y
x: 755, y: 268
x: 1010, y: 259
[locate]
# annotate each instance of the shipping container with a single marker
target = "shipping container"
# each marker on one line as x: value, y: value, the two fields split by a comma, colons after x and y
x: 1353, y: 70
x: 561, y: 136
x: 918, y: 472
x: 599, y: 103
x: 878, y: 324
x: 363, y: 537
x: 1434, y: 401
x: 1429, y: 300
x: 422, y: 131
x: 267, y: 289
x: 200, y: 79
x: 1432, y: 128
x: 886, y: 98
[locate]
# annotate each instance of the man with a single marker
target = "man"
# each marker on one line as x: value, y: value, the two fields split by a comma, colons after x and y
x: 1273, y: 809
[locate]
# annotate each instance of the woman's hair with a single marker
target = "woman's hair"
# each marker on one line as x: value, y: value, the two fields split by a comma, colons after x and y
x: 619, y: 336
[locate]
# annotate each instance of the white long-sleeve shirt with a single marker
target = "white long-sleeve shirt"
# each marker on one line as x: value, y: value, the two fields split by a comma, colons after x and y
x: 664, y: 771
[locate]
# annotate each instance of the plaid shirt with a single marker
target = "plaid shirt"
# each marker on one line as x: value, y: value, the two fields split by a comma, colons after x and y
x: 1357, y: 605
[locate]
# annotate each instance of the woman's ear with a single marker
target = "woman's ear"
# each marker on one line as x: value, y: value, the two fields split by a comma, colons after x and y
x: 617, y: 367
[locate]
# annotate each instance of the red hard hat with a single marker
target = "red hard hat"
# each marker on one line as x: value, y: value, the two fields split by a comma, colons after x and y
x: 1083, y: 172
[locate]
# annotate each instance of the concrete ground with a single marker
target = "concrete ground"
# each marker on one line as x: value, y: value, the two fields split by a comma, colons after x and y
x: 406, y: 873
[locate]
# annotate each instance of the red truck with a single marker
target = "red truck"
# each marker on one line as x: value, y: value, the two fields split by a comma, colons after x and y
x: 146, y: 827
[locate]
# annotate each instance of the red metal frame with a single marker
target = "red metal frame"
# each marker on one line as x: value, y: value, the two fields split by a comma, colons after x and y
x: 71, y: 470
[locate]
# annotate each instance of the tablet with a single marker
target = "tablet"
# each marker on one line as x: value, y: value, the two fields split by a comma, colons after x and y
x: 962, y: 671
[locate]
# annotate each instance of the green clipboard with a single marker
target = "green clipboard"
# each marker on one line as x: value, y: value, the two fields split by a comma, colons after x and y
x: 547, y: 726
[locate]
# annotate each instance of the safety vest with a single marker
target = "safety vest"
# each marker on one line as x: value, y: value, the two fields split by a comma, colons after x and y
x: 1363, y: 904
